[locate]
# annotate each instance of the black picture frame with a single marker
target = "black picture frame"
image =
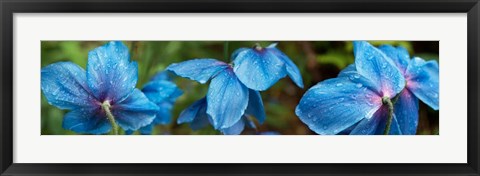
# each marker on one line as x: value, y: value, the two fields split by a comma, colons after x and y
x: 9, y: 7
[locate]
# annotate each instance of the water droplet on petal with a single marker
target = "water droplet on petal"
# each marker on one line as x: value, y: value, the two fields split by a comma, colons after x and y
x: 354, y: 97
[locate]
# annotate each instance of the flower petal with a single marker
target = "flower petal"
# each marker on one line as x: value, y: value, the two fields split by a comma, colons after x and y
x: 255, y: 106
x: 259, y: 70
x: 146, y: 130
x: 161, y: 91
x: 236, y: 129
x: 164, y: 94
x: 235, y: 53
x: 348, y: 130
x: 368, y: 126
x: 227, y: 99
x: 270, y: 133
x: 398, y: 55
x: 162, y: 76
x: 201, y: 120
x: 333, y: 105
x: 200, y: 70
x: 374, y: 64
x: 347, y: 70
x: 292, y: 69
x: 406, y: 111
x: 423, y: 81
x: 351, y: 73
x: 376, y: 124
x: 135, y: 111
x: 110, y: 74
x: 394, y: 127
x: 195, y: 114
x: 189, y: 114
x: 164, y: 114
x: 86, y: 120
x: 129, y: 132
x: 64, y: 85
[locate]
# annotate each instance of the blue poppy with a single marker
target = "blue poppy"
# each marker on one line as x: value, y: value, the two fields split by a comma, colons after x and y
x: 259, y: 68
x: 422, y: 82
x: 196, y: 115
x: 231, y: 83
x: 356, y: 97
x: 107, y: 86
x: 163, y: 92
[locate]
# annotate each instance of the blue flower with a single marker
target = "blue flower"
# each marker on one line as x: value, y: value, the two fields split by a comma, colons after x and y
x: 359, y: 97
x: 229, y: 91
x: 422, y: 82
x: 259, y: 68
x: 106, y: 87
x: 163, y: 92
x: 196, y: 115
x: 227, y: 96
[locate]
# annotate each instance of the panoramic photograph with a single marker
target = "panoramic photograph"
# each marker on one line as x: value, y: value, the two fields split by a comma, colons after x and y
x: 240, y: 88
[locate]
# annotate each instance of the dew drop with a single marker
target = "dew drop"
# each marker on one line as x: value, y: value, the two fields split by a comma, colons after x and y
x: 339, y: 84
x: 359, y: 85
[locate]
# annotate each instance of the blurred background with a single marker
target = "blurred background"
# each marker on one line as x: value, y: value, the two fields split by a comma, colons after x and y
x: 317, y: 61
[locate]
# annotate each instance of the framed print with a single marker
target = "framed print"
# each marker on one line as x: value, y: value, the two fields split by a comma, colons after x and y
x: 239, y: 87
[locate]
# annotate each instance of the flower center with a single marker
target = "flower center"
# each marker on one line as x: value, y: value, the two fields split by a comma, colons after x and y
x: 386, y: 100
x: 106, y: 104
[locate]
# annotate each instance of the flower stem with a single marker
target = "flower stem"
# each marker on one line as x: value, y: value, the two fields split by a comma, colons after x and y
x: 388, y: 102
x: 225, y: 51
x: 111, y: 118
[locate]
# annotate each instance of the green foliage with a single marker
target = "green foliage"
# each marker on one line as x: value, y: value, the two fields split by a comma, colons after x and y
x: 317, y: 61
